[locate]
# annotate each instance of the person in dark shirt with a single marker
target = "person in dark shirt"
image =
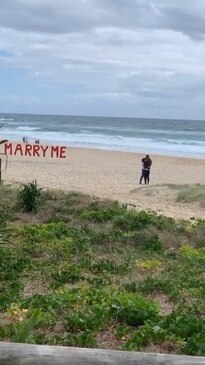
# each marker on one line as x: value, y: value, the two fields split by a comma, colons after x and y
x: 146, y: 165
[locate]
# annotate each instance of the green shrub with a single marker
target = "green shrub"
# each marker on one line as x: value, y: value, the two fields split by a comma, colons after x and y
x: 12, y: 263
x: 150, y: 332
x: 82, y: 339
x: 29, y: 197
x: 111, y: 266
x: 67, y: 274
x: 155, y: 285
x: 153, y: 244
x: 130, y: 287
x: 83, y: 321
x: 186, y: 323
x: 183, y: 327
x: 133, y: 309
x: 23, y: 333
x: 123, y: 331
x: 195, y: 345
x: 189, y: 194
x: 145, y: 239
x: 99, y: 216
x: 4, y: 232
x: 44, y: 233
x: 134, y: 221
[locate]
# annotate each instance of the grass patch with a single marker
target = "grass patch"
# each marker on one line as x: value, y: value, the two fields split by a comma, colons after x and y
x: 192, y: 194
x: 189, y: 193
x: 81, y: 271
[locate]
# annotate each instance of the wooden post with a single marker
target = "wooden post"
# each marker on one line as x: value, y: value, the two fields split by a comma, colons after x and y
x: 2, y: 142
x: 24, y: 354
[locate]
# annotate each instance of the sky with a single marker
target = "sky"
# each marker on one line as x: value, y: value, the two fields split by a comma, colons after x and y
x: 134, y: 58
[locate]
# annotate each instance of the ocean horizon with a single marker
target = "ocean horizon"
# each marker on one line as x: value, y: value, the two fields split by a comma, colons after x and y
x: 169, y: 137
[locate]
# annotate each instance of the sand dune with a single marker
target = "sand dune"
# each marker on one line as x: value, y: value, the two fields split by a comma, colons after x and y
x: 115, y: 175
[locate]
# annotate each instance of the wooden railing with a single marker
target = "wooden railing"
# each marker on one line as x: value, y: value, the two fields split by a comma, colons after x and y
x: 24, y: 354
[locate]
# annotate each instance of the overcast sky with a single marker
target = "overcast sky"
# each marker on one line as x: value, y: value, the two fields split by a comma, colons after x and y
x: 137, y: 58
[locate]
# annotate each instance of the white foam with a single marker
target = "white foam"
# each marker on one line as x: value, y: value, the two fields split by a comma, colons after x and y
x: 5, y: 119
x: 174, y: 147
x: 26, y: 128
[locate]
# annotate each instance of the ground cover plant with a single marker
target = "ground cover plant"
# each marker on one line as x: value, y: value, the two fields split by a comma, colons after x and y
x: 79, y: 271
x: 190, y: 193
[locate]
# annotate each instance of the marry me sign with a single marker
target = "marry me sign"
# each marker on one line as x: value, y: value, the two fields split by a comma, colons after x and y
x: 34, y: 150
x: 30, y: 150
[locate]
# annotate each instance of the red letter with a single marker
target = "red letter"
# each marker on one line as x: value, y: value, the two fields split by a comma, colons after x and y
x: 36, y: 148
x: 44, y: 149
x: 62, y: 152
x: 28, y: 150
x: 56, y: 150
x: 8, y: 147
x: 18, y: 149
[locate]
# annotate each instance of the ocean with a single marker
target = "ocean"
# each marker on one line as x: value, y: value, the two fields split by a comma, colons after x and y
x: 154, y: 136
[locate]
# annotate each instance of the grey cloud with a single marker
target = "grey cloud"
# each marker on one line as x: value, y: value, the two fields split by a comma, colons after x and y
x: 158, y: 85
x: 67, y: 16
x: 128, y: 54
x: 183, y: 20
x: 46, y: 16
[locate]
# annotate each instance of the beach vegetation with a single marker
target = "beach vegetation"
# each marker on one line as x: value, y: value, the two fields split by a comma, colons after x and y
x: 189, y: 193
x: 29, y: 196
x: 80, y: 269
x: 4, y: 232
x: 192, y: 194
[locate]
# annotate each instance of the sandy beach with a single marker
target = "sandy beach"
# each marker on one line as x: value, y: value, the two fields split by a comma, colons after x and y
x: 114, y: 175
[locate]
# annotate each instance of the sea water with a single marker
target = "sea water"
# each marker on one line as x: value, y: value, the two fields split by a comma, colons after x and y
x: 153, y: 136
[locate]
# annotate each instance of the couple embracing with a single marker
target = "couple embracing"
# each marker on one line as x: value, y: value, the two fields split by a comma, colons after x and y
x: 146, y: 165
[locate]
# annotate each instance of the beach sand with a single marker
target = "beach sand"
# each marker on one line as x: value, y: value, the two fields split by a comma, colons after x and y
x: 114, y: 175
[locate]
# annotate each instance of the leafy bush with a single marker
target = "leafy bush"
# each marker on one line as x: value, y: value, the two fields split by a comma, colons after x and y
x: 184, y: 322
x: 96, y: 216
x: 195, y: 193
x: 133, y: 309
x: 29, y: 197
x: 146, y: 239
x: 83, y: 321
x: 100, y: 215
x: 4, y: 232
x: 67, y: 274
x: 131, y: 287
x: 149, y: 265
x: 44, y: 233
x: 191, y: 253
x: 182, y: 327
x: 153, y: 244
x: 134, y: 221
x: 12, y: 263
x: 23, y: 332
x: 154, y: 285
x: 111, y: 266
